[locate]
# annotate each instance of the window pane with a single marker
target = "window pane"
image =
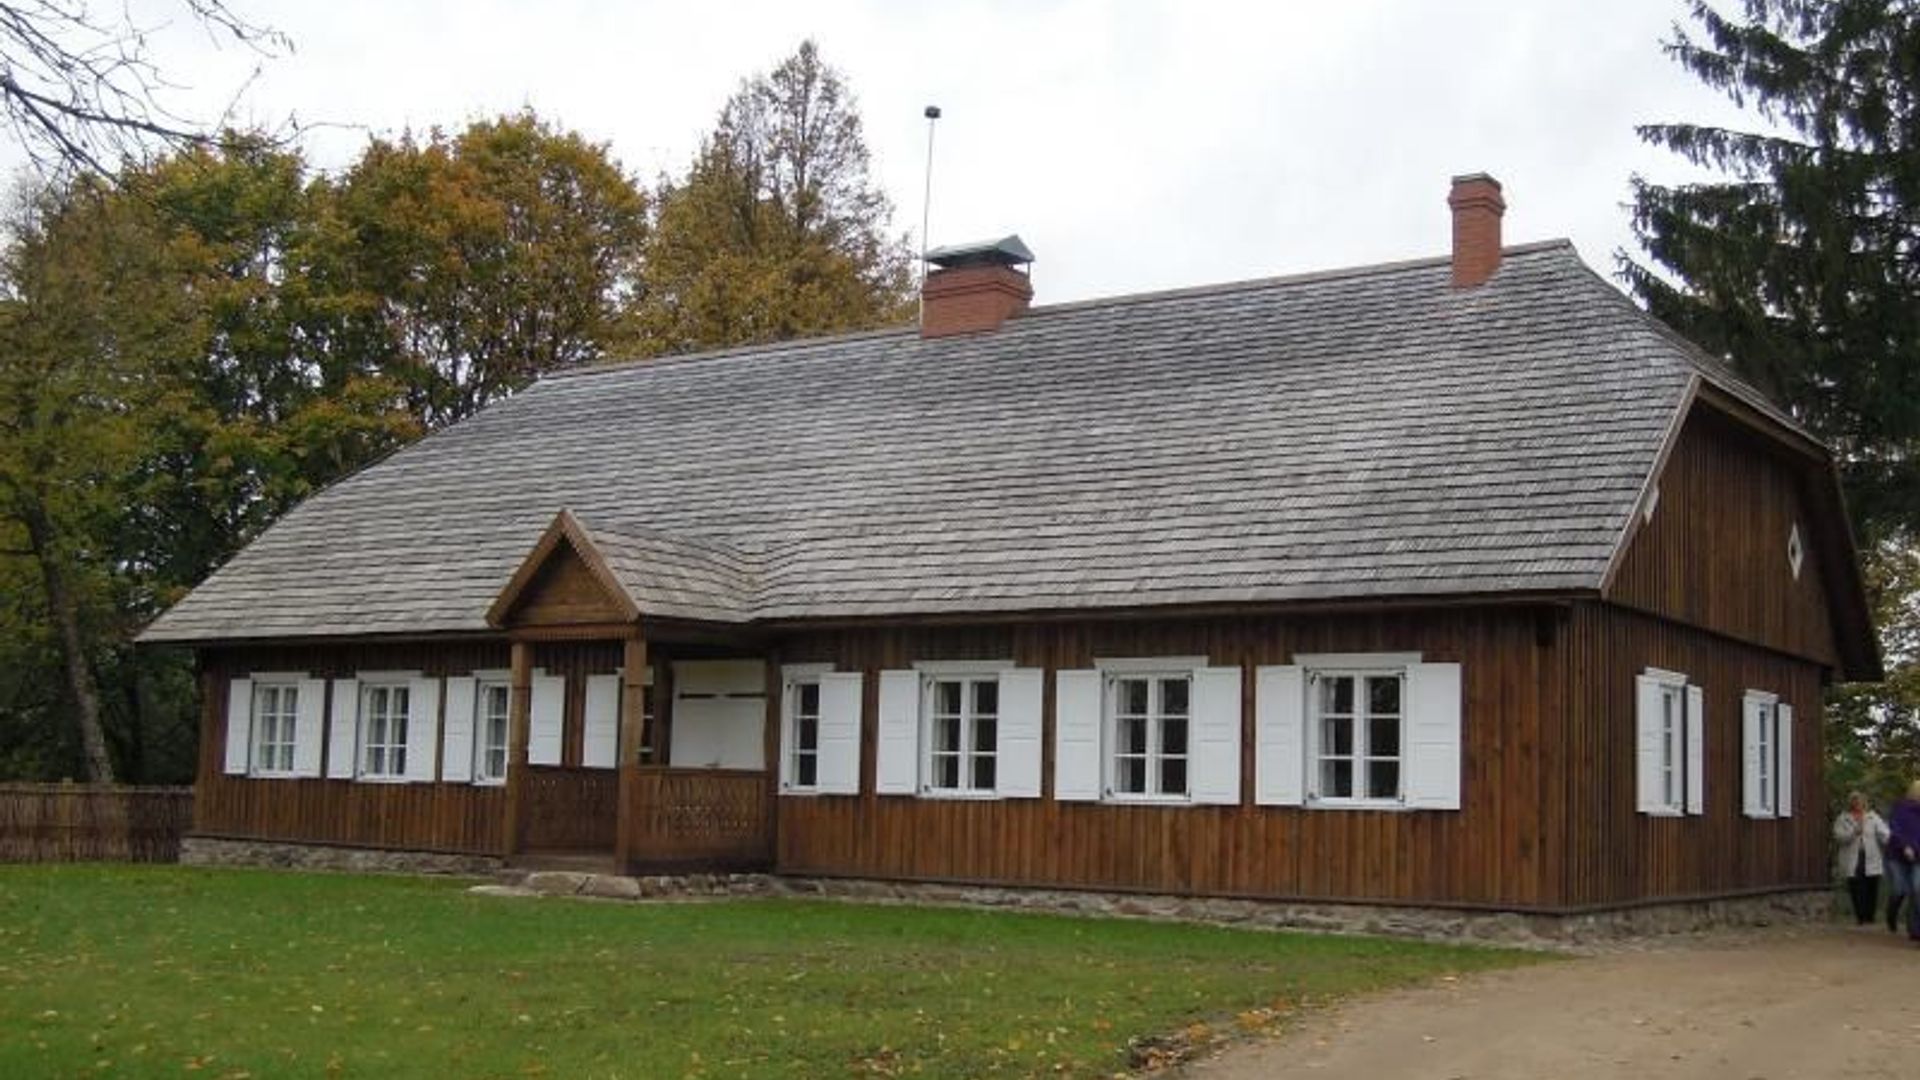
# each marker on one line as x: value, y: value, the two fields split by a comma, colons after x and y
x: 1383, y: 694
x: 1130, y: 697
x: 1173, y: 736
x: 1383, y: 736
x: 806, y: 734
x: 1336, y: 694
x: 946, y: 734
x: 1383, y: 779
x: 946, y: 697
x: 983, y: 772
x: 398, y: 758
x: 986, y: 735
x: 806, y: 770
x: 986, y: 697
x: 946, y: 771
x: 1173, y: 697
x: 397, y: 701
x: 1130, y: 775
x: 1336, y: 736
x: 809, y: 694
x: 1132, y: 735
x: 1336, y: 779
x: 1173, y: 776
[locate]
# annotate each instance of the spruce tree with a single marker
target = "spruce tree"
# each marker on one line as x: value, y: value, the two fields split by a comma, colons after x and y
x: 1800, y: 262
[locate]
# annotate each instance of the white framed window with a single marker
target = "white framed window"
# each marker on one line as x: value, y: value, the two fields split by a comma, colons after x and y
x: 1357, y: 735
x: 1766, y: 755
x: 960, y: 733
x: 1163, y: 730
x: 803, y: 742
x: 492, y: 717
x: 1149, y: 724
x: 383, y: 730
x: 1671, y: 726
x: 276, y: 718
x: 820, y: 720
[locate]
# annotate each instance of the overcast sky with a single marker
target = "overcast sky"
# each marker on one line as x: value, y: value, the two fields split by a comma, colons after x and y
x: 1133, y: 145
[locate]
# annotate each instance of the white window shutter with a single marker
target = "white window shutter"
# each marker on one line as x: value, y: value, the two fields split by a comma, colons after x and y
x: 1279, y: 736
x: 239, y: 726
x: 897, y: 765
x: 308, y: 729
x: 1751, y: 803
x: 1696, y: 751
x: 839, y: 761
x: 601, y: 746
x: 343, y: 729
x: 1783, y: 802
x: 1433, y: 736
x: 1648, y: 744
x: 546, y: 719
x: 1215, y: 769
x: 1076, y: 736
x: 423, y: 729
x: 1019, y: 749
x: 456, y: 740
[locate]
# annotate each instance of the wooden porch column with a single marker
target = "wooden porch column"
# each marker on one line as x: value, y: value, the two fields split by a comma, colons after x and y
x: 633, y: 690
x: 519, y: 723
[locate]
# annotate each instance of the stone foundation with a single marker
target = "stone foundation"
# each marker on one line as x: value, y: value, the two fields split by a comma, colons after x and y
x: 1581, y: 931
x: 214, y: 851
x: 1799, y: 908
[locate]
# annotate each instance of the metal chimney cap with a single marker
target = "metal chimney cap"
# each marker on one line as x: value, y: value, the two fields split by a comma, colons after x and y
x: 1007, y: 251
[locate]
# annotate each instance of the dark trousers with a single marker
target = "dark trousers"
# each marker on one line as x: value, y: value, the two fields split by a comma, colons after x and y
x: 1865, y: 892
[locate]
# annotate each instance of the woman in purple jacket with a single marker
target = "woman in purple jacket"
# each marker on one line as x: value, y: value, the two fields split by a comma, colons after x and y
x: 1903, y: 852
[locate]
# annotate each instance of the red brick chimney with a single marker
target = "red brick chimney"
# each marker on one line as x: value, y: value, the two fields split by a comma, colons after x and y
x: 1477, y: 207
x: 973, y: 288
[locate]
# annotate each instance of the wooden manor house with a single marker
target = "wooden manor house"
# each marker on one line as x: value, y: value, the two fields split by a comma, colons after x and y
x: 1457, y: 582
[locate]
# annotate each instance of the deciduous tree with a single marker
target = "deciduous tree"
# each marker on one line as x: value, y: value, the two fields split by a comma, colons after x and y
x: 777, y: 231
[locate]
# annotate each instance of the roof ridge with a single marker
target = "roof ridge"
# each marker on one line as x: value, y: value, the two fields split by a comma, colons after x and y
x: 1305, y: 277
x: 728, y: 352
x: 1213, y: 289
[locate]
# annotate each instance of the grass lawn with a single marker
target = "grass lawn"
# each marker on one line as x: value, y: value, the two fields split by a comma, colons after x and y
x: 166, y: 971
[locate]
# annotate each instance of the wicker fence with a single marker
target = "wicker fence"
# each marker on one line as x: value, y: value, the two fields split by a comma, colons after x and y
x: 85, y: 822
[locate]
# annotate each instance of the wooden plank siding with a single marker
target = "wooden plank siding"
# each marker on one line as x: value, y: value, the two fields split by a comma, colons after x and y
x: 1548, y: 820
x: 1490, y: 852
x: 1614, y: 854
x: 1714, y: 554
x: 445, y: 817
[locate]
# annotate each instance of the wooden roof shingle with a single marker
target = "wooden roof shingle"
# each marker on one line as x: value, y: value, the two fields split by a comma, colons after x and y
x: 1366, y: 433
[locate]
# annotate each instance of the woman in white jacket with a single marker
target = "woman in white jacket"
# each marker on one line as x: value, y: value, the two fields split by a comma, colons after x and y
x: 1862, y: 837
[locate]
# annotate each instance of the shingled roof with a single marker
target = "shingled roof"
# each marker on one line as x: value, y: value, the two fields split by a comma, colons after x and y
x: 1364, y: 433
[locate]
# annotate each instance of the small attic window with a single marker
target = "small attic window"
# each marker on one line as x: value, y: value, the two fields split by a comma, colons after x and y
x: 1796, y: 551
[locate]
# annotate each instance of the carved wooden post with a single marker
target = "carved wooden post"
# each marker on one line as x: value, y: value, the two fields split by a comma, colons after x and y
x: 519, y: 723
x: 633, y: 689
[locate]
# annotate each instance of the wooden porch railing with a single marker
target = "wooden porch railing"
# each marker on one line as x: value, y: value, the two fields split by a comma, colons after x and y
x: 711, y: 818
x: 571, y: 809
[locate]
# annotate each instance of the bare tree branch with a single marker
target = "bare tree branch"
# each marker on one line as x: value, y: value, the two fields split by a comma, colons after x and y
x: 83, y: 90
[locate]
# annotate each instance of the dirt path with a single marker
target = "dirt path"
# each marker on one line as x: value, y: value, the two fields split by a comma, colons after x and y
x: 1823, y: 1004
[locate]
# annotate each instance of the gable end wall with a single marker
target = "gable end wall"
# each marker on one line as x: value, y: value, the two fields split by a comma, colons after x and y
x: 1714, y: 555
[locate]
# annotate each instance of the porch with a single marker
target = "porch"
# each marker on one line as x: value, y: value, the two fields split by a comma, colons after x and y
x: 678, y: 819
x: 654, y: 732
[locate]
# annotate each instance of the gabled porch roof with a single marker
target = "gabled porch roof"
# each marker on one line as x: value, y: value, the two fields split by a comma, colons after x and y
x: 587, y: 574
